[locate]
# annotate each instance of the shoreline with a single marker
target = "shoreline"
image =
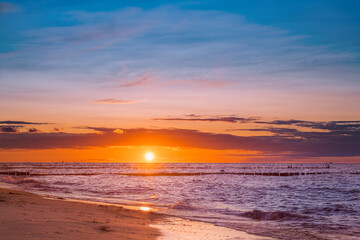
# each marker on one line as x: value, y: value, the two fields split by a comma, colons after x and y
x: 29, y: 216
x: 34, y: 216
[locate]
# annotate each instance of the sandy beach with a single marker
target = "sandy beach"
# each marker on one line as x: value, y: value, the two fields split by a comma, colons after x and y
x: 28, y: 216
x: 25, y: 215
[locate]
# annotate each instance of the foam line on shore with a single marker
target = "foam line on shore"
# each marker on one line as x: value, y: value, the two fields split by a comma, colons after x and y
x: 181, y: 229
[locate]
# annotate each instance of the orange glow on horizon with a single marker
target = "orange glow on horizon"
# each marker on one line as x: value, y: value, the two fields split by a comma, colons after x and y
x: 135, y: 154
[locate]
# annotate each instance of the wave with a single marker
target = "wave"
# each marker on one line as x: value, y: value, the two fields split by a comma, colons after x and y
x: 271, y: 216
x: 182, y: 206
x: 32, y: 184
x: 18, y: 180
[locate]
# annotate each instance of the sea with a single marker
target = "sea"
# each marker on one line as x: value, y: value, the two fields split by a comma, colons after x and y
x: 284, y: 201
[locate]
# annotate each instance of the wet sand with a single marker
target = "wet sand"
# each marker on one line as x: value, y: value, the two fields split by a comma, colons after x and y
x: 182, y: 229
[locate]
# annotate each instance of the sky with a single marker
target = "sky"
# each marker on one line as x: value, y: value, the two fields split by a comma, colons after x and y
x: 190, y: 81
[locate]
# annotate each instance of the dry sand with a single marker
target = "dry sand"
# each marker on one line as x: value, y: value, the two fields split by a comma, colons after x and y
x: 28, y: 216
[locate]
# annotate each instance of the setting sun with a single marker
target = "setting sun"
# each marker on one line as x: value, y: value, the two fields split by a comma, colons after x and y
x: 149, y: 156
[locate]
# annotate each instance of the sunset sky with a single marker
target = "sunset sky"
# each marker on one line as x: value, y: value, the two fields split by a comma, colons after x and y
x: 190, y: 81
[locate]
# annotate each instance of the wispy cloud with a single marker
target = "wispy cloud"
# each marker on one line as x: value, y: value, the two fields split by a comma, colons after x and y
x: 180, y: 46
x: 201, y: 118
x: 98, y: 129
x: 347, y: 126
x: 103, y: 129
x: 116, y: 101
x: 279, y: 131
x: 21, y: 122
x: 332, y: 130
x: 324, y: 125
x: 140, y: 80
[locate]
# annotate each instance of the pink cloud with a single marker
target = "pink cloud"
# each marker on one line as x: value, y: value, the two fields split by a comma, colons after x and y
x: 140, y: 80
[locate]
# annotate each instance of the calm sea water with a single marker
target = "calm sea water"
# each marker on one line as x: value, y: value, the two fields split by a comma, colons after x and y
x: 310, y: 206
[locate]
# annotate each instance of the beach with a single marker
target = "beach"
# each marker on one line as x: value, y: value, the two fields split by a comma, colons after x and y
x: 29, y: 216
x: 25, y: 215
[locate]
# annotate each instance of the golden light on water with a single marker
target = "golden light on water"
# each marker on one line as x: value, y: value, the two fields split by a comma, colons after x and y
x: 149, y: 156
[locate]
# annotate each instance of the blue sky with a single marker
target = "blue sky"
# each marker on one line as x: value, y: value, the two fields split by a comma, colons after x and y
x: 198, y: 48
x: 127, y: 63
x: 335, y: 23
x: 329, y: 29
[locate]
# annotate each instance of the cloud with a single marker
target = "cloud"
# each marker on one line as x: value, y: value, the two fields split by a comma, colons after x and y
x: 9, y: 129
x: 21, y: 122
x: 119, y: 131
x: 98, y: 129
x: 33, y: 130
x: 291, y: 133
x: 283, y: 132
x: 282, y: 122
x: 310, y: 144
x: 193, y: 117
x: 324, y: 125
x: 103, y: 129
x: 140, y: 80
x: 115, y: 101
x: 344, y: 126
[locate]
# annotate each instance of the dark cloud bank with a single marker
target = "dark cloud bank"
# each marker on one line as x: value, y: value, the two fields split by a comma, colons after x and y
x: 337, y: 143
x: 325, y: 125
x: 9, y: 129
x: 15, y: 126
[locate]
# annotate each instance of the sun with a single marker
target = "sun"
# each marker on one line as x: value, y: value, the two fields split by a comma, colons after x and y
x: 149, y: 156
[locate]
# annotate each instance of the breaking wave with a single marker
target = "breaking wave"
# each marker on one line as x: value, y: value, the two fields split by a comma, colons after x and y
x: 271, y: 216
